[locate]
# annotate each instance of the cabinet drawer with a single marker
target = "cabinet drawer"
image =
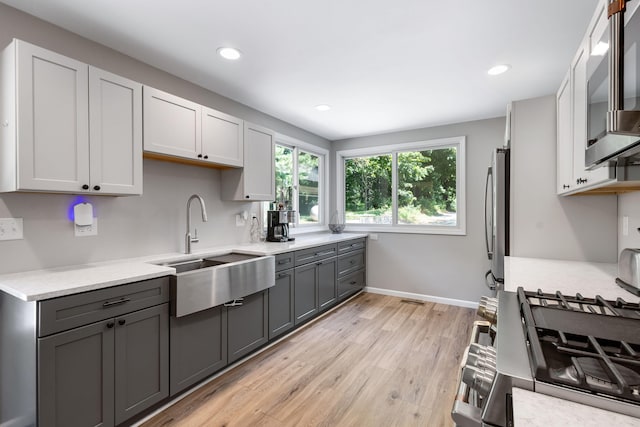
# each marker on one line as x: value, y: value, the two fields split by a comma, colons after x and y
x: 60, y: 314
x: 351, y: 284
x: 351, y: 245
x: 307, y: 256
x: 284, y: 261
x: 350, y: 262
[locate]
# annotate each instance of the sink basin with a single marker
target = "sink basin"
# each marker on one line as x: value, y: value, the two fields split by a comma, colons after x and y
x: 202, y: 283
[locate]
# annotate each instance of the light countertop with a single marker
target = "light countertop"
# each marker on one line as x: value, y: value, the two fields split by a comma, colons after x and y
x: 569, y: 277
x: 539, y: 410
x: 60, y: 281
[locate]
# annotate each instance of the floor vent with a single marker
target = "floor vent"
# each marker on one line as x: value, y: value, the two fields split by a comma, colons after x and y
x: 412, y: 301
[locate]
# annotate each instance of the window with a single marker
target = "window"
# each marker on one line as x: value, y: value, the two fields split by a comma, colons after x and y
x: 300, y: 185
x: 414, y: 187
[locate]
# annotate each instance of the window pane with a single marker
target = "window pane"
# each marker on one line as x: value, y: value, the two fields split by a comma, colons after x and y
x: 427, y: 187
x: 368, y: 190
x: 308, y: 179
x: 284, y: 174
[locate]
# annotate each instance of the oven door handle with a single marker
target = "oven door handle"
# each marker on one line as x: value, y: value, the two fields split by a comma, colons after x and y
x: 463, y: 413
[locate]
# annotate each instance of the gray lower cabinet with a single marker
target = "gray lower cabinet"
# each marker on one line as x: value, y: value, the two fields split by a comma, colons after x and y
x: 75, y: 377
x: 306, y: 295
x: 327, y: 290
x: 198, y: 347
x: 247, y: 325
x: 315, y: 288
x: 104, y: 373
x: 281, y: 304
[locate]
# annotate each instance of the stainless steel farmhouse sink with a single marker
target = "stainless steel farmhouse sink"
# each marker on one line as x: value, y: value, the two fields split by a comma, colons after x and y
x: 201, y: 283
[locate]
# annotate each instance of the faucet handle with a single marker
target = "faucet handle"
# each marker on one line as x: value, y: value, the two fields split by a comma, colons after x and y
x: 195, y: 239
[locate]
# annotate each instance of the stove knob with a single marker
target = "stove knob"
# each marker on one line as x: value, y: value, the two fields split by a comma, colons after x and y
x: 481, y: 361
x: 478, y: 379
x: 488, y: 309
x: 483, y: 350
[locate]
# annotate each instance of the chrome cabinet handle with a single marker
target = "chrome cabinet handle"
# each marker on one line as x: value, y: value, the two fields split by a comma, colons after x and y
x: 118, y: 302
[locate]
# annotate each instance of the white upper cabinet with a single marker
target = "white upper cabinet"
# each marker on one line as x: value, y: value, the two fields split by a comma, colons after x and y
x: 572, y: 103
x: 179, y: 128
x: 115, y: 133
x: 50, y: 103
x: 171, y: 124
x: 222, y: 138
x: 257, y: 180
x: 564, y: 163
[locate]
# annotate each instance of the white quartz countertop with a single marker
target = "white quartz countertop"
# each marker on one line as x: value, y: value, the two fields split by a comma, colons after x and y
x: 539, y: 410
x: 60, y: 281
x: 569, y: 277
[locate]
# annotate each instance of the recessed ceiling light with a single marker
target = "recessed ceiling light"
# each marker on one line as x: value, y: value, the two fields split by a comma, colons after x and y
x: 323, y: 107
x: 600, y: 49
x: 498, y: 69
x: 229, y: 53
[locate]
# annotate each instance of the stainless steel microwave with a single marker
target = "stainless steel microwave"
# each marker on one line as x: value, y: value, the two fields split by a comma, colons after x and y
x: 613, y: 89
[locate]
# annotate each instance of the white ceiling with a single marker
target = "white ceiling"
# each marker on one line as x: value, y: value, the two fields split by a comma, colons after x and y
x: 382, y: 65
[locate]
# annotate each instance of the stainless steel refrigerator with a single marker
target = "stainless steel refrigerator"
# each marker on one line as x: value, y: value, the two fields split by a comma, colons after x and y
x: 496, y: 211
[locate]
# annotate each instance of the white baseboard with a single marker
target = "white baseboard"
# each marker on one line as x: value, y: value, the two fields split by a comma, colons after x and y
x: 421, y: 297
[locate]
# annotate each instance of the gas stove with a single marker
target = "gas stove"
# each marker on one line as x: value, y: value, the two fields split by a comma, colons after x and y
x: 587, y: 345
x: 582, y: 349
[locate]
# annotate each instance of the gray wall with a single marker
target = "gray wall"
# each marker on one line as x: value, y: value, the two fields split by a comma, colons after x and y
x: 127, y: 226
x: 441, y: 266
x: 579, y: 228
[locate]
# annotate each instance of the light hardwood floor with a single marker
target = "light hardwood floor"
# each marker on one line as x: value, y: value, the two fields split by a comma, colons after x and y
x: 376, y: 361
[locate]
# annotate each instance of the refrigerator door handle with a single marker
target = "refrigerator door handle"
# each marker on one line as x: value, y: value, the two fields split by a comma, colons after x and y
x: 488, y: 214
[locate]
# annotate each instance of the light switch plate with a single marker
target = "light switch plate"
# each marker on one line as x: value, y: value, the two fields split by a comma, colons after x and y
x: 11, y: 229
x: 86, y: 230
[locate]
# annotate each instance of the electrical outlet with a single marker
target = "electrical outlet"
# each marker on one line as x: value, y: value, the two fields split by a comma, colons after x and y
x: 87, y: 230
x: 625, y: 225
x: 240, y: 222
x: 11, y: 229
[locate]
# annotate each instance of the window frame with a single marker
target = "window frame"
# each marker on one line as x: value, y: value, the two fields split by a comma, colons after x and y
x: 458, y: 143
x: 323, y: 183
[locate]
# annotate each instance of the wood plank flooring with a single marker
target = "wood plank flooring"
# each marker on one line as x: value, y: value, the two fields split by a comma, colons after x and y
x: 376, y: 361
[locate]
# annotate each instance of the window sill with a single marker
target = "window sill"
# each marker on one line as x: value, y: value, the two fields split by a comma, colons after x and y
x: 409, y: 229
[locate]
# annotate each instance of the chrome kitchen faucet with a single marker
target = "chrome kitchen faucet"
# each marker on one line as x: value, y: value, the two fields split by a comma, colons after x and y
x: 187, y: 238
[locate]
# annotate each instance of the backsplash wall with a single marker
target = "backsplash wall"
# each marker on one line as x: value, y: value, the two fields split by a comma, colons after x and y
x: 629, y: 206
x: 134, y: 226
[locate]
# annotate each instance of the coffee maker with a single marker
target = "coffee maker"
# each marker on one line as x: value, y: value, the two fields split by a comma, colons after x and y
x: 278, y: 225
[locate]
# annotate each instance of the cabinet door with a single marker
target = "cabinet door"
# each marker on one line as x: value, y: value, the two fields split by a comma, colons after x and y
x: 115, y: 124
x: 579, y: 108
x: 222, y: 135
x: 141, y: 360
x: 247, y: 325
x: 171, y: 124
x: 259, y: 167
x: 281, y: 314
x: 306, y: 293
x: 75, y: 377
x: 564, y: 160
x: 198, y: 347
x: 53, y: 134
x: 327, y: 290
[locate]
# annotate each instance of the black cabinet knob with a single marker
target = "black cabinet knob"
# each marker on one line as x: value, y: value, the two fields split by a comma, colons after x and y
x: 85, y: 187
x: 206, y: 157
x: 246, y: 197
x: 199, y: 156
x: 96, y: 187
x: 121, y: 322
x: 110, y: 325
